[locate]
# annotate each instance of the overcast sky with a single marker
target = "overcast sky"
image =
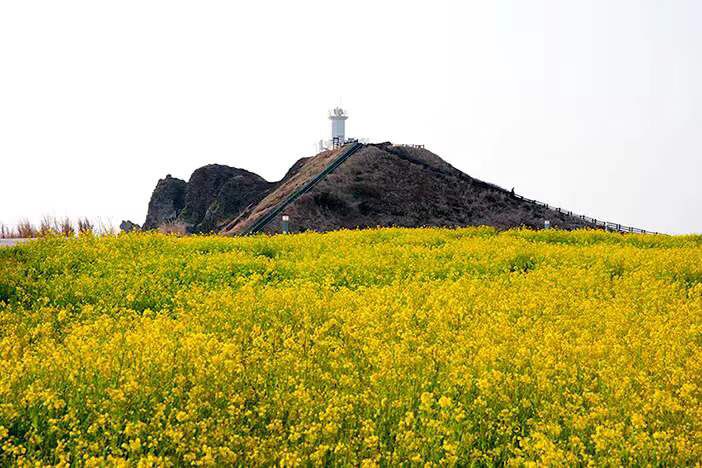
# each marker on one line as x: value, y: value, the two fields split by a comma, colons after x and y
x: 594, y: 106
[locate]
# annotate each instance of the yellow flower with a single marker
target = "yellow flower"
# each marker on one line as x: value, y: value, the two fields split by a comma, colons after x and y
x: 452, y: 347
x: 445, y: 402
x: 637, y: 420
x: 135, y: 445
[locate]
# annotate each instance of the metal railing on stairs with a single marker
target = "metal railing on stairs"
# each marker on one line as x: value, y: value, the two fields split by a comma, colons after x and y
x: 346, y: 151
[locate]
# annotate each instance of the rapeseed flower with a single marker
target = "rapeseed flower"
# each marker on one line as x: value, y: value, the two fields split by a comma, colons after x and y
x: 381, y: 347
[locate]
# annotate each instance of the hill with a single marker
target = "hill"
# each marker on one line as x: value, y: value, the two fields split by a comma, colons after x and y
x: 379, y: 185
x: 394, y: 185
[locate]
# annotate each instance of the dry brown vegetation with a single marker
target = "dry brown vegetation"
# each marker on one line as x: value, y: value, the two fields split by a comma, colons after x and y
x: 25, y: 229
x: 65, y: 227
x: 6, y: 232
x: 308, y: 169
x: 85, y: 226
x: 105, y: 227
x: 53, y: 226
x: 173, y: 227
x: 48, y: 225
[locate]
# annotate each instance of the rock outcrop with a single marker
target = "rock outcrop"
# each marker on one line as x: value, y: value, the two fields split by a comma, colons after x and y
x: 214, y: 194
x: 129, y: 226
x: 239, y: 192
x: 202, y: 189
x: 167, y: 201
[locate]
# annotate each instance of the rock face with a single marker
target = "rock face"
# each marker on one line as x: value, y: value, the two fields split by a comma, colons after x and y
x: 129, y: 226
x: 236, y: 194
x: 214, y: 194
x: 167, y: 201
x: 379, y: 185
x: 202, y: 189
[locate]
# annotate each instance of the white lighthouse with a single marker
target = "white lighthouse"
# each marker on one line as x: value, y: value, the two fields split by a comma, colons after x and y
x: 338, y: 131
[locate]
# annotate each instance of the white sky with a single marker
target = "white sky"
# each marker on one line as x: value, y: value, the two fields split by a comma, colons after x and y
x: 590, y: 105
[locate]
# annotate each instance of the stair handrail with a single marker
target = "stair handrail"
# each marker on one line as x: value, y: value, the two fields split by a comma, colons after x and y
x: 346, y: 151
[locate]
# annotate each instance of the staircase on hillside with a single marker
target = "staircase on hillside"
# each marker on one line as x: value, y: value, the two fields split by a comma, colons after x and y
x: 347, y: 150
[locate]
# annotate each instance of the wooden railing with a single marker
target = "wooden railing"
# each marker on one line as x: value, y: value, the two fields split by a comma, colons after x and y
x: 607, y: 225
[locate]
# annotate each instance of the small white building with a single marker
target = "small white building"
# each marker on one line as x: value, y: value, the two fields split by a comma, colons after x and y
x: 338, y: 130
x: 338, y: 138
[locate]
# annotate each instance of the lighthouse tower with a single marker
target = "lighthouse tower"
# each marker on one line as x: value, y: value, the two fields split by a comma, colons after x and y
x: 338, y: 131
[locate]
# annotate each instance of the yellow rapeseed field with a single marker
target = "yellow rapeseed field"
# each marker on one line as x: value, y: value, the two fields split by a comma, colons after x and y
x: 389, y: 346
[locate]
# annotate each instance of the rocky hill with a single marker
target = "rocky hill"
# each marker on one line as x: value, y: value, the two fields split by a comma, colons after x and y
x: 166, y: 202
x: 214, y: 194
x: 379, y: 185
